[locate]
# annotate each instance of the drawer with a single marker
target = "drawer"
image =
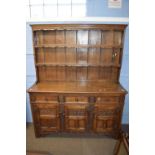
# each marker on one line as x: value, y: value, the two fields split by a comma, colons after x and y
x: 106, y: 110
x: 43, y: 97
x: 79, y: 99
x: 107, y: 99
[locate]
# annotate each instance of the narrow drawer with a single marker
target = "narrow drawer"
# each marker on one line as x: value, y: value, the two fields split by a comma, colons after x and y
x: 70, y: 99
x: 43, y: 97
x: 107, y: 99
x: 106, y: 110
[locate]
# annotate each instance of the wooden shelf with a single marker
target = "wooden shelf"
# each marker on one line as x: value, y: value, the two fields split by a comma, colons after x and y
x: 77, y: 46
x: 78, y: 65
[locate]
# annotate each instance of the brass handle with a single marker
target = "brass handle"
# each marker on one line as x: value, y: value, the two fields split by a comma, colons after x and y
x: 113, y: 56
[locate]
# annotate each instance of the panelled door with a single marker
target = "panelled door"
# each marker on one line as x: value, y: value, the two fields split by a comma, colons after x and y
x: 75, y: 117
x: 105, y: 118
x: 46, y: 117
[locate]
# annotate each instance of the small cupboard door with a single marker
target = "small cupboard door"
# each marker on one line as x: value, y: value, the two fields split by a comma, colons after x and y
x: 46, y: 117
x: 105, y: 118
x: 76, y: 117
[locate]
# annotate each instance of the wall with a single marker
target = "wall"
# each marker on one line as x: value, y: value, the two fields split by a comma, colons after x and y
x: 95, y: 9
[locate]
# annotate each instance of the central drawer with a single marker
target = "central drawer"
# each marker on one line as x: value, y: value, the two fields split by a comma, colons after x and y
x: 77, y: 99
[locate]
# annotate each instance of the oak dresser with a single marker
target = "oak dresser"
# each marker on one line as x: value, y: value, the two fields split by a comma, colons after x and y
x: 77, y: 90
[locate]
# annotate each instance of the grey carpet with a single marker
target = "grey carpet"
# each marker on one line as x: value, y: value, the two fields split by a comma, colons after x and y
x: 69, y: 146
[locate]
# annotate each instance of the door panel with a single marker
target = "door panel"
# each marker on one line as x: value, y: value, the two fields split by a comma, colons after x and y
x: 105, y: 118
x: 76, y: 117
x: 48, y: 117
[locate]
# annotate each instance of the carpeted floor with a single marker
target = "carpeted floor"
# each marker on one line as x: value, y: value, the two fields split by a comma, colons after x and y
x: 69, y: 146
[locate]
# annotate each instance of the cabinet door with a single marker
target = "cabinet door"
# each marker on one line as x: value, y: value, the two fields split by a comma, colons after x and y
x: 75, y: 117
x: 46, y: 117
x: 105, y: 118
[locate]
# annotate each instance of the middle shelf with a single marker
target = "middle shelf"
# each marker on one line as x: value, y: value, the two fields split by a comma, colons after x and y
x: 78, y: 65
x: 77, y: 46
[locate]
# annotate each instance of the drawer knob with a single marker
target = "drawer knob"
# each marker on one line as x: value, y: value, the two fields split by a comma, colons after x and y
x: 98, y: 99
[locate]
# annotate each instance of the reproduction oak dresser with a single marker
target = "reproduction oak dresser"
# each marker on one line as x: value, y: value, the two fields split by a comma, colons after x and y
x: 77, y: 90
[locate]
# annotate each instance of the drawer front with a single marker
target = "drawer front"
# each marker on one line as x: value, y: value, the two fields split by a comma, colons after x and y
x: 43, y: 97
x: 106, y: 110
x: 107, y: 99
x: 80, y: 99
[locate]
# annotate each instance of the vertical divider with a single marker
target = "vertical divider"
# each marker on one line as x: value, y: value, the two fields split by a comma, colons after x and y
x: 56, y: 62
x: 43, y: 44
x: 87, y: 52
x: 113, y: 53
x: 76, y: 54
x: 65, y: 49
x: 99, y: 70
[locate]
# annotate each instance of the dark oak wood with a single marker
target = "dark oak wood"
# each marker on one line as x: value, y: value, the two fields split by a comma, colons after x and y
x: 77, y: 88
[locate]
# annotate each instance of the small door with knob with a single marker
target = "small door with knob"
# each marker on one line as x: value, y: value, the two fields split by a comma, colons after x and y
x: 76, y: 117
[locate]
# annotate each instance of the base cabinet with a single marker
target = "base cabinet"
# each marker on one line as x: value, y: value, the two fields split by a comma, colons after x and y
x: 63, y: 114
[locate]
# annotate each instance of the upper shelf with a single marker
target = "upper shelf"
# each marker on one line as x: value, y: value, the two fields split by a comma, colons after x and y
x: 77, y: 46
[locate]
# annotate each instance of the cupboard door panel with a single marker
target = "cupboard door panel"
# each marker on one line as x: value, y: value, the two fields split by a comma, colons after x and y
x: 105, y: 118
x: 104, y: 124
x: 48, y: 117
x: 76, y: 117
